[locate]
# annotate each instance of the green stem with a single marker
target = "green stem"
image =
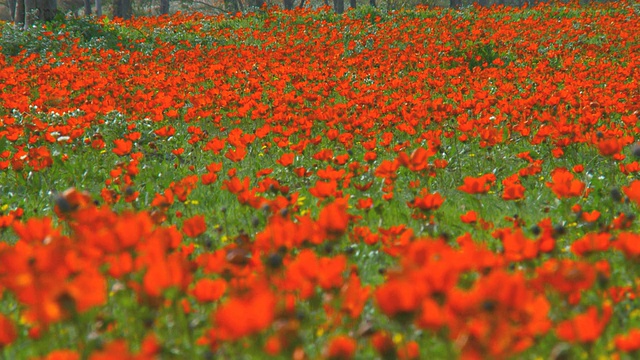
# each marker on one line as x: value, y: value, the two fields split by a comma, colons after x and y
x: 181, y: 318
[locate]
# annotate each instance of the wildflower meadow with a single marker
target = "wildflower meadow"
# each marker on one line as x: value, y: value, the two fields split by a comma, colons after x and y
x: 419, y: 184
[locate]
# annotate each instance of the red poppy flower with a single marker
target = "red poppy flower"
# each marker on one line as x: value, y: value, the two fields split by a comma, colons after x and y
x: 586, y: 327
x: 384, y: 345
x: 286, y: 159
x: 40, y: 158
x: 63, y: 355
x: 117, y: 349
x: 370, y: 156
x: 208, y: 290
x: 388, y: 169
x: 480, y: 185
x: 469, y: 217
x: 194, y: 226
x: 513, y: 189
x: 564, y: 185
x: 409, y: 351
x: 629, y: 342
x: 119, y: 264
x: 341, y: 348
x: 123, y: 147
x: 323, y: 155
x: 236, y: 155
x: 324, y: 189
x: 590, y: 216
x: 609, y: 147
x: 354, y: 296
x: 365, y: 203
x: 591, y: 243
x: 426, y: 201
x: 432, y: 316
x: 173, y: 271
x: 397, y: 297
x: 629, y: 244
x: 633, y: 191
x: 242, y: 316
x: 331, y: 272
x: 165, y: 131
x: 566, y: 276
x: 215, y: 145
x: 516, y: 246
x: 88, y: 289
x: 418, y: 160
x: 8, y: 333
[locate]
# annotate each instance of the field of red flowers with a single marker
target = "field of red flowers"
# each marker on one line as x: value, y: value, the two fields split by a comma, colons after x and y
x: 422, y: 184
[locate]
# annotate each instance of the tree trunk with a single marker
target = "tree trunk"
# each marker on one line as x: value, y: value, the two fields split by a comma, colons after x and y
x: 18, y: 17
x: 122, y: 9
x: 231, y: 6
x: 288, y: 4
x: 372, y: 3
x: 87, y: 7
x: 338, y: 6
x: 12, y: 8
x: 456, y: 4
x: 127, y: 9
x: 260, y: 3
x: 47, y: 9
x: 30, y: 13
x: 164, y: 7
x: 27, y: 12
x: 352, y: 4
x: 98, y: 8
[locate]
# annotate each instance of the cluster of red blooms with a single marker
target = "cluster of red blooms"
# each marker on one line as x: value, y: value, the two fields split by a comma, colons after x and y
x: 316, y: 134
